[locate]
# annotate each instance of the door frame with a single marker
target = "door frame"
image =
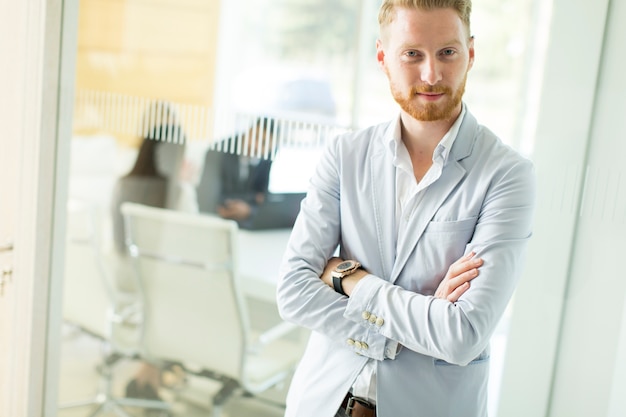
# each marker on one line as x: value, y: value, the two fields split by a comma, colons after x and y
x: 42, y: 65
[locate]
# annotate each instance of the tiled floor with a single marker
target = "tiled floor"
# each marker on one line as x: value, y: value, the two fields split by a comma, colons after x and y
x: 79, y: 380
x: 80, y: 357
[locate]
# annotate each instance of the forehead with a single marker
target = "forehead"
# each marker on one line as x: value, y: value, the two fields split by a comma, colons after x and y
x: 425, y: 27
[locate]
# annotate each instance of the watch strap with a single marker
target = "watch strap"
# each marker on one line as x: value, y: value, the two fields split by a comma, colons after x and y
x: 337, y: 285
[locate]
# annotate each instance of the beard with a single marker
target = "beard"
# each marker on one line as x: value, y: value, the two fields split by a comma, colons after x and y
x: 429, y: 112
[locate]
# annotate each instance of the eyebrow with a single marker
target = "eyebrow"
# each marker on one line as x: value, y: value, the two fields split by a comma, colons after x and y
x: 454, y: 42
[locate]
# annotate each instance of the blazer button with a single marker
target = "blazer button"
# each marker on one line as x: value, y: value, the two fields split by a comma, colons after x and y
x: 351, y: 342
x: 365, y: 315
x: 358, y: 345
x: 364, y: 346
x: 380, y: 321
x: 372, y: 319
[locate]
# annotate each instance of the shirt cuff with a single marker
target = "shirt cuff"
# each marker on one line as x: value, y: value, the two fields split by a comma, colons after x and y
x: 358, y: 302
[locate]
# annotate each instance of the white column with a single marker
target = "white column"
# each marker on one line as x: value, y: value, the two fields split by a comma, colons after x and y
x: 563, y: 357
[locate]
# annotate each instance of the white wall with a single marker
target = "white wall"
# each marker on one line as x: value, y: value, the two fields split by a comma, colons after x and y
x: 569, y: 316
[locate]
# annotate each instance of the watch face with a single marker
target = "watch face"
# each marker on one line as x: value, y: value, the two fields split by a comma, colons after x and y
x: 344, y: 266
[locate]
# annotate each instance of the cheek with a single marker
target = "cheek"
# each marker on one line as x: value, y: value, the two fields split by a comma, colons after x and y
x: 460, y: 77
x: 403, y: 74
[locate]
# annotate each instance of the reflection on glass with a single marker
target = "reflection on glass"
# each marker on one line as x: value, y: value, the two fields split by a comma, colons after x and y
x: 163, y: 171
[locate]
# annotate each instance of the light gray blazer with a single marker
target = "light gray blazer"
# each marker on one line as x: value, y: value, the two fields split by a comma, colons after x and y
x: 483, y: 202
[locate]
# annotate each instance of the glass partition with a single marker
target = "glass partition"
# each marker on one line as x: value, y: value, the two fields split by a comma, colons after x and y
x: 179, y: 103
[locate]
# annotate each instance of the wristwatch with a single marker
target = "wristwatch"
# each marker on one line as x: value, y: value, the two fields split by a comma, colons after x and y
x: 341, y: 271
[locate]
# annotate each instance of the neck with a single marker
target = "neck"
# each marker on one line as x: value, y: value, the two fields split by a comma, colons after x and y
x: 417, y: 134
x: 420, y: 139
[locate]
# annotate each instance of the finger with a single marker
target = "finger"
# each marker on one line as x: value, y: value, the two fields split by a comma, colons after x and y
x: 454, y: 296
x: 461, y: 264
x: 465, y: 266
x: 463, y: 278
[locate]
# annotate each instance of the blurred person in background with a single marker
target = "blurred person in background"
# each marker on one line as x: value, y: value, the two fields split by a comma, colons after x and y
x: 235, y: 178
x: 159, y: 178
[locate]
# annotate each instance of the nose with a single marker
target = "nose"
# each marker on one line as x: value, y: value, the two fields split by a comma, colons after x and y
x: 430, y: 71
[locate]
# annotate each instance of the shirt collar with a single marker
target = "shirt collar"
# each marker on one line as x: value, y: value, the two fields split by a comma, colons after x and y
x: 442, y: 151
x: 445, y: 145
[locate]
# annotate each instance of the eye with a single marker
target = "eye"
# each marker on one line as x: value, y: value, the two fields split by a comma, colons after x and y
x: 411, y: 55
x: 448, y: 52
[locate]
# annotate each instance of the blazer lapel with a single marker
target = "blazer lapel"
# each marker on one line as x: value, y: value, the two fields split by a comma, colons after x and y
x: 383, y: 180
x: 436, y: 193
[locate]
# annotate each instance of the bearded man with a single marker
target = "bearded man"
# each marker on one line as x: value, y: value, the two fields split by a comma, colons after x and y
x: 431, y: 214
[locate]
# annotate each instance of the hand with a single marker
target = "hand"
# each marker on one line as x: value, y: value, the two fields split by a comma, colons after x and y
x: 234, y: 209
x: 259, y: 198
x: 456, y: 281
x: 348, y: 283
x: 326, y: 276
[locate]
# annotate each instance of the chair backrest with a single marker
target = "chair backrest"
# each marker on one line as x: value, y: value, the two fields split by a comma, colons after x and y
x: 187, y: 269
x: 86, y: 293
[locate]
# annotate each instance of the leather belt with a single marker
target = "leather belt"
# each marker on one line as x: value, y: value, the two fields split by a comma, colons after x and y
x: 358, y: 407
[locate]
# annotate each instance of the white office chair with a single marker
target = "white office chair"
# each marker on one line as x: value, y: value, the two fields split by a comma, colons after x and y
x: 194, y: 310
x: 91, y: 304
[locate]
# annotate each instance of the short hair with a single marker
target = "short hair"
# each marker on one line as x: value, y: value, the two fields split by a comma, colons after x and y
x: 462, y: 7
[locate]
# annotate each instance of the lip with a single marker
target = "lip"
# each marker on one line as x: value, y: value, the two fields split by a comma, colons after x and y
x: 430, y: 96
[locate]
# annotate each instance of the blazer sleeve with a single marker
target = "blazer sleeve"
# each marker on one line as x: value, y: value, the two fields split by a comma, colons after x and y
x: 302, y: 297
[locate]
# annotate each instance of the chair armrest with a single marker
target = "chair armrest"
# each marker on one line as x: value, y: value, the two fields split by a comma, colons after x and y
x: 128, y: 315
x: 258, y: 288
x: 277, y: 332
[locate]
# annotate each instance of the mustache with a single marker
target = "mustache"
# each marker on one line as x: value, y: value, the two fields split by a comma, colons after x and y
x: 436, y: 89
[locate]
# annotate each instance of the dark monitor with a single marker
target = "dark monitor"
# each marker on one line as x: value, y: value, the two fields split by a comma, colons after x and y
x: 279, y: 211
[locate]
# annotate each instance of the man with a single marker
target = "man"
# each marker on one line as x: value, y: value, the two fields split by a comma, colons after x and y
x: 235, y: 177
x: 405, y: 199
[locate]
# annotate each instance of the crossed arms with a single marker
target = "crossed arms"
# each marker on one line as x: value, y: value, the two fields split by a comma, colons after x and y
x: 454, y: 284
x: 429, y: 306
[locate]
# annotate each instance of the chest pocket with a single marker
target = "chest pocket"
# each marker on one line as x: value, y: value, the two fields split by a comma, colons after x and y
x: 448, y: 237
x: 452, y: 228
x: 442, y: 243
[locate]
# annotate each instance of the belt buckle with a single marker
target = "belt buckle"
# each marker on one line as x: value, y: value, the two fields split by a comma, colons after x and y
x: 352, y: 400
x: 350, y: 406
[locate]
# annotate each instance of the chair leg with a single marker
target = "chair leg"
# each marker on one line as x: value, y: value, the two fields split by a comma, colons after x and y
x: 119, y: 410
x: 229, y: 387
x: 107, y: 401
x: 100, y: 409
x: 81, y: 403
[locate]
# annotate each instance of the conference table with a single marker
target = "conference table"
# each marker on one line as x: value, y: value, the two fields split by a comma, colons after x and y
x: 259, y: 258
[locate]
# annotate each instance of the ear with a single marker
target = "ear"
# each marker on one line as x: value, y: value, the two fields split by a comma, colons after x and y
x: 471, y: 53
x: 380, y: 54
